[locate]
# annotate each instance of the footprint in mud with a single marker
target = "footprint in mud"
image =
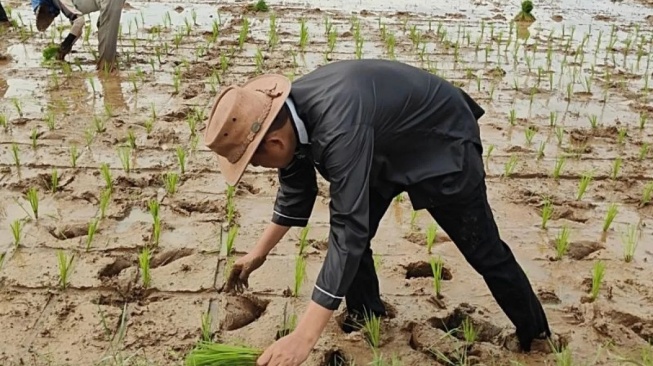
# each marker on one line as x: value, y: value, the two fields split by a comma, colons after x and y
x: 243, y: 310
x: 579, y: 250
x: 419, y: 238
x: 453, y: 322
x: 423, y: 270
x: 113, y: 269
x: 169, y: 256
x: 334, y: 357
x: 435, y: 343
x: 69, y: 231
x: 640, y: 326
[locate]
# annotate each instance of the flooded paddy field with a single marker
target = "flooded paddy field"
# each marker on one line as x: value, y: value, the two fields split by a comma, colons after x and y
x: 100, y: 172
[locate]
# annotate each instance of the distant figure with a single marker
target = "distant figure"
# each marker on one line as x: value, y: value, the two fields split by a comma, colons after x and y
x: 3, y: 15
x: 108, y: 24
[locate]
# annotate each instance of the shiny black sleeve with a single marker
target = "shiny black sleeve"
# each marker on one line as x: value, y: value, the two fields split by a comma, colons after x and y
x: 347, y: 160
x: 296, y: 194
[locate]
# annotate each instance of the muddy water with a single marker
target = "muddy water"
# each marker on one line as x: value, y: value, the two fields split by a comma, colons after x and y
x: 540, y: 90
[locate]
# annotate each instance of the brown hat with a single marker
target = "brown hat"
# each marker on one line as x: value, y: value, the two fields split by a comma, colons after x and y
x: 43, y: 18
x: 240, y: 118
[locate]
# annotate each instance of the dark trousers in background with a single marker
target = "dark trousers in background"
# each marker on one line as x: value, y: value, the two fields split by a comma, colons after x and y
x: 3, y: 15
x: 467, y: 219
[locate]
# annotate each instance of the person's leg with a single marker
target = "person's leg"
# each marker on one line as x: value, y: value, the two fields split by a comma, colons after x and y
x: 470, y: 224
x: 363, y: 297
x: 3, y: 14
x: 108, y: 27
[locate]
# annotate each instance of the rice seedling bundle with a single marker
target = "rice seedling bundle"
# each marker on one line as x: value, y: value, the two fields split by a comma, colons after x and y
x: 216, y: 354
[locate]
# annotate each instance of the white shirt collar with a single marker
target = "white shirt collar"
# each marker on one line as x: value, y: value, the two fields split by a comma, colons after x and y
x: 299, y: 124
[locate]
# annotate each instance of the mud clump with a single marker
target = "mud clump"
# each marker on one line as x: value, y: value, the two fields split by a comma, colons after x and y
x: 642, y: 327
x: 548, y: 297
x: 423, y: 270
x: 242, y: 311
x: 169, y: 256
x: 205, y: 206
x: 579, y: 250
x: 113, y: 269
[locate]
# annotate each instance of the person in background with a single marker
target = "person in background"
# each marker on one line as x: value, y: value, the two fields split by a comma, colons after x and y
x: 3, y: 15
x: 108, y: 25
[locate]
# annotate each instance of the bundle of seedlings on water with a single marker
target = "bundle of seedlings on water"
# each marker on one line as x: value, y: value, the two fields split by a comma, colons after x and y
x: 630, y: 239
x: 144, y: 266
x: 562, y: 242
x: 213, y: 354
x: 105, y: 199
x: 16, y: 231
x: 50, y: 51
x: 437, y: 265
x: 303, y: 241
x: 609, y: 216
x: 64, y: 264
x: 33, y: 199
x: 300, y: 274
x: 547, y: 213
x: 431, y: 232
x: 598, y: 272
x: 92, y: 228
x: 231, y: 238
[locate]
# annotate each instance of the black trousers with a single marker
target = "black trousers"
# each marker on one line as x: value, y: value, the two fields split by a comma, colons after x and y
x: 3, y: 15
x: 468, y: 220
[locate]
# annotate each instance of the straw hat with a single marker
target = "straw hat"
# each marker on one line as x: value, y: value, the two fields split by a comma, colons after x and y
x: 240, y: 118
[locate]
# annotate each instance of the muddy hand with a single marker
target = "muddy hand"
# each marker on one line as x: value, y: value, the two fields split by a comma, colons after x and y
x: 239, y: 277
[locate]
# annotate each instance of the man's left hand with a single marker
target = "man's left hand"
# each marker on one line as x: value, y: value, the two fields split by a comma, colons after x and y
x: 291, y: 350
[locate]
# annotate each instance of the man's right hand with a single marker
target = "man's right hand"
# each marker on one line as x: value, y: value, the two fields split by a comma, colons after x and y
x: 242, y: 268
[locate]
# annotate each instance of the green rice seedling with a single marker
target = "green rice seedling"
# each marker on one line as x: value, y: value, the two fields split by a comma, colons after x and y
x: 244, y: 33
x: 273, y: 35
x: 34, y: 136
x: 642, y: 120
x: 647, y: 194
x: 231, y: 209
x: 372, y: 330
x: 124, y: 153
x: 621, y: 136
x: 258, y: 61
x: 73, y: 156
x: 557, y: 169
x: 64, y: 268
x: 54, y: 180
x: 131, y: 138
x: 510, y: 166
x: 559, y: 133
x: 33, y: 199
x: 593, y: 121
x: 170, y: 181
x: 630, y: 240
x: 231, y: 238
x: 212, y: 354
x: 547, y: 213
x: 488, y: 154
x: 303, y: 34
x: 206, y: 327
x: 564, y: 357
x: 106, y: 175
x: 3, y: 121
x: 562, y: 242
x: 469, y: 333
x: 89, y: 136
x: 598, y: 272
x: 583, y: 184
x: 16, y: 231
x: 413, y: 219
x: 437, y: 266
x: 18, y: 105
x: 15, y: 153
x: 181, y: 159
x: 156, y: 231
x: 100, y: 124
x: 616, y: 167
x: 303, y: 242
x: 49, y: 52
x: 512, y: 117
x: 154, y: 207
x: 609, y: 217
x: 192, y: 124
x: 540, y: 150
x: 49, y: 121
x: 105, y: 199
x: 431, y: 231
x: 92, y: 229
x: 300, y: 274
x: 144, y: 266
x: 529, y: 134
x: 643, y: 151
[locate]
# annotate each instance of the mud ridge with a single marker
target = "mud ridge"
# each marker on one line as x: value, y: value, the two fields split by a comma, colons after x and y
x: 423, y: 270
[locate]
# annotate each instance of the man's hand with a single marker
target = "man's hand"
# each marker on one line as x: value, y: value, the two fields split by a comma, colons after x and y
x: 239, y: 277
x: 291, y: 350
